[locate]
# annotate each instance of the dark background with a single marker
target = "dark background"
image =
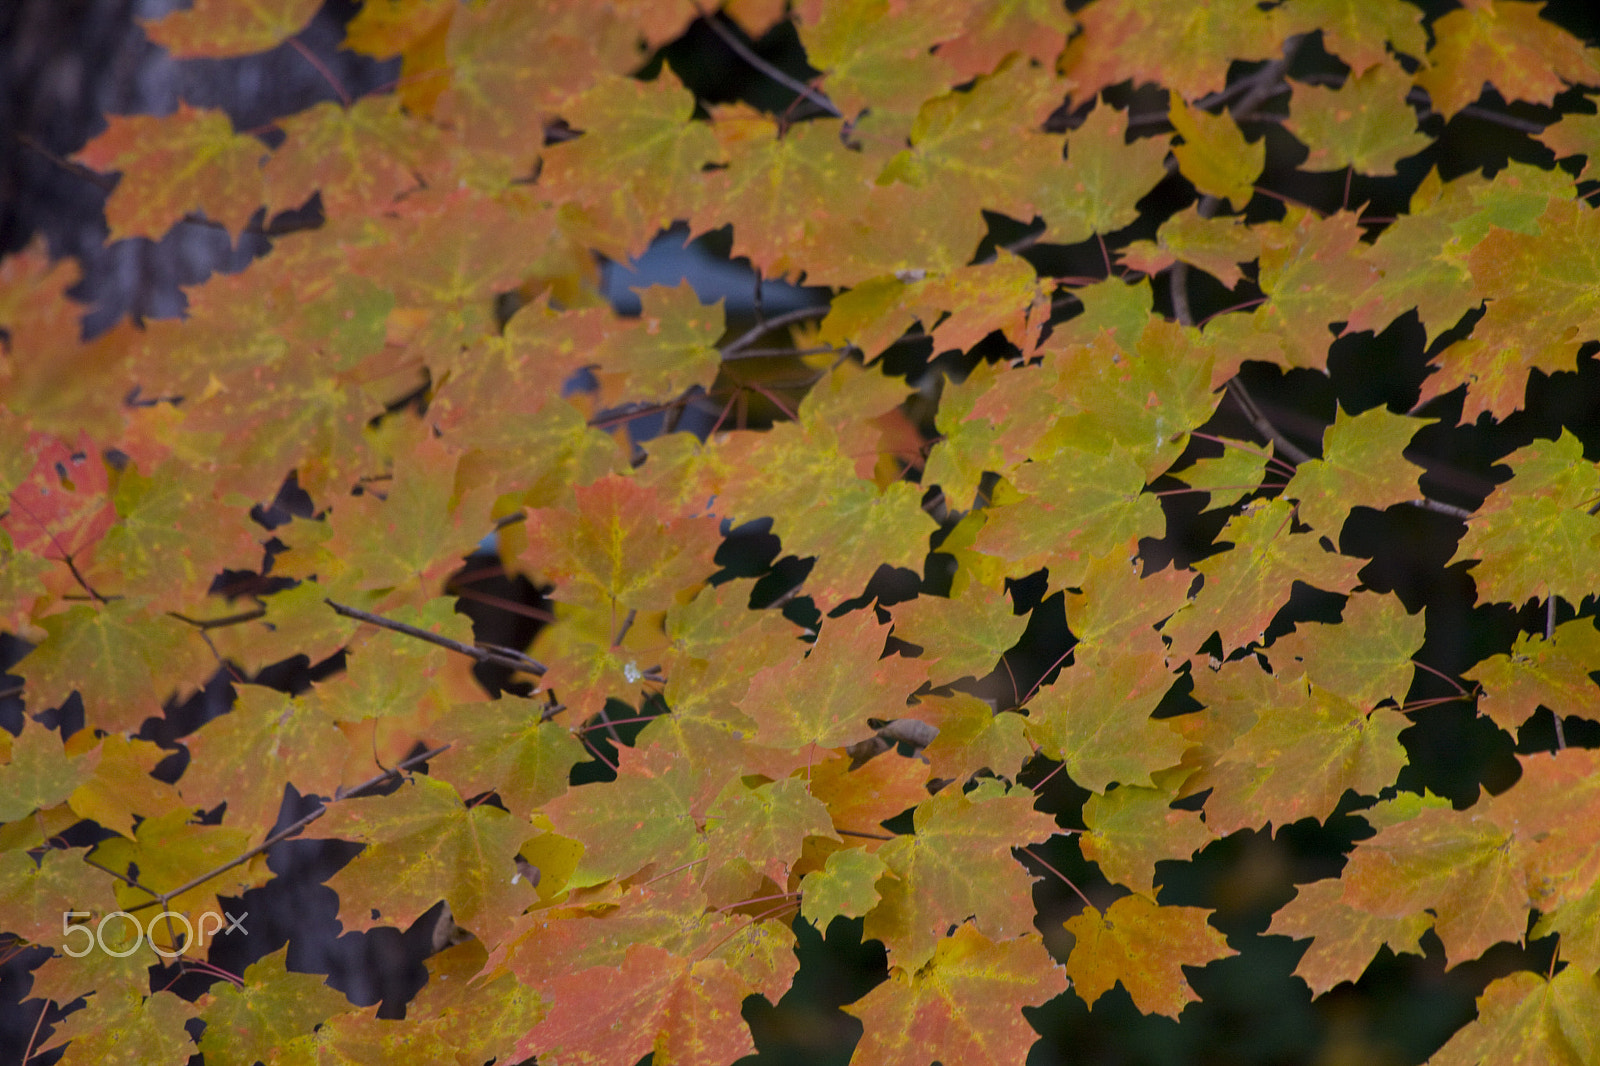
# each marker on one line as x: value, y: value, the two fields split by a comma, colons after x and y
x: 66, y: 63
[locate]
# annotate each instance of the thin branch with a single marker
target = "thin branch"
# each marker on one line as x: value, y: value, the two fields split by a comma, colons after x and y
x: 483, y: 653
x: 162, y: 899
x: 322, y: 68
x: 1242, y: 397
x: 1443, y: 508
x: 740, y: 49
x: 1029, y: 852
x: 204, y: 624
x: 502, y: 603
x: 761, y: 329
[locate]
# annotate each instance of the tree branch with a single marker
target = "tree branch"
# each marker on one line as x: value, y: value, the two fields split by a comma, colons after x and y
x: 483, y: 653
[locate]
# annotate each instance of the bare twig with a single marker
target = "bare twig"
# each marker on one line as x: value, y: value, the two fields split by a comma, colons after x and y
x: 1263, y: 426
x: 483, y: 653
x: 761, y: 329
x: 740, y: 49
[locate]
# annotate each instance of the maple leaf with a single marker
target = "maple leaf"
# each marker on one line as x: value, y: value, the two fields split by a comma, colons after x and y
x: 1185, y: 46
x: 871, y: 58
x: 1366, y: 658
x: 33, y: 893
x: 1215, y: 245
x: 1363, y: 124
x: 129, y: 1026
x: 1537, y: 672
x: 290, y: 740
x: 964, y: 1005
x: 1299, y: 763
x: 1358, y: 468
x: 1454, y: 863
x: 167, y: 852
x: 1529, y: 1018
x: 369, y: 152
x: 1095, y: 717
x: 510, y: 748
x: 957, y: 139
x: 1508, y: 45
x: 269, y: 1008
x: 424, y: 845
x: 614, y: 551
x: 190, y: 160
x: 1343, y: 939
x: 1133, y: 828
x: 639, y: 135
x: 846, y: 885
x: 657, y: 1002
x: 1245, y: 587
x: 1214, y: 155
x: 1104, y: 178
x: 827, y: 696
x: 764, y: 826
x: 39, y: 773
x: 1573, y: 135
x: 1357, y: 30
x: 1144, y: 947
x: 644, y: 818
x: 1542, y: 308
x: 964, y: 636
x: 1546, y: 503
x: 218, y: 28
x: 1313, y: 273
x: 994, y: 29
x: 973, y: 737
x: 958, y: 865
x: 130, y: 648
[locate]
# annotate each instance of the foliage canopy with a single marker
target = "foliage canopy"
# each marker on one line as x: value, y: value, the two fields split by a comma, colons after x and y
x: 423, y: 358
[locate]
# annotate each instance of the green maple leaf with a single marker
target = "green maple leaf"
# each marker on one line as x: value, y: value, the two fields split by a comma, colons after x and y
x: 1104, y: 177
x: 1542, y: 308
x: 640, y: 819
x: 764, y: 826
x: 1365, y: 658
x: 846, y: 885
x: 424, y: 845
x: 289, y: 740
x: 509, y: 748
x: 1215, y: 245
x: 1214, y: 154
x: 356, y: 156
x: 1530, y: 1018
x: 1132, y: 828
x: 131, y: 649
x: 1144, y: 947
x: 1534, y: 536
x: 257, y: 1019
x: 39, y: 773
x: 1095, y: 717
x: 1299, y: 763
x: 1357, y: 30
x: 1364, y: 124
x: 1361, y: 465
x: 963, y: 636
x: 964, y: 1005
x: 1537, y: 672
x: 1245, y: 587
x: 33, y: 894
x: 872, y: 58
